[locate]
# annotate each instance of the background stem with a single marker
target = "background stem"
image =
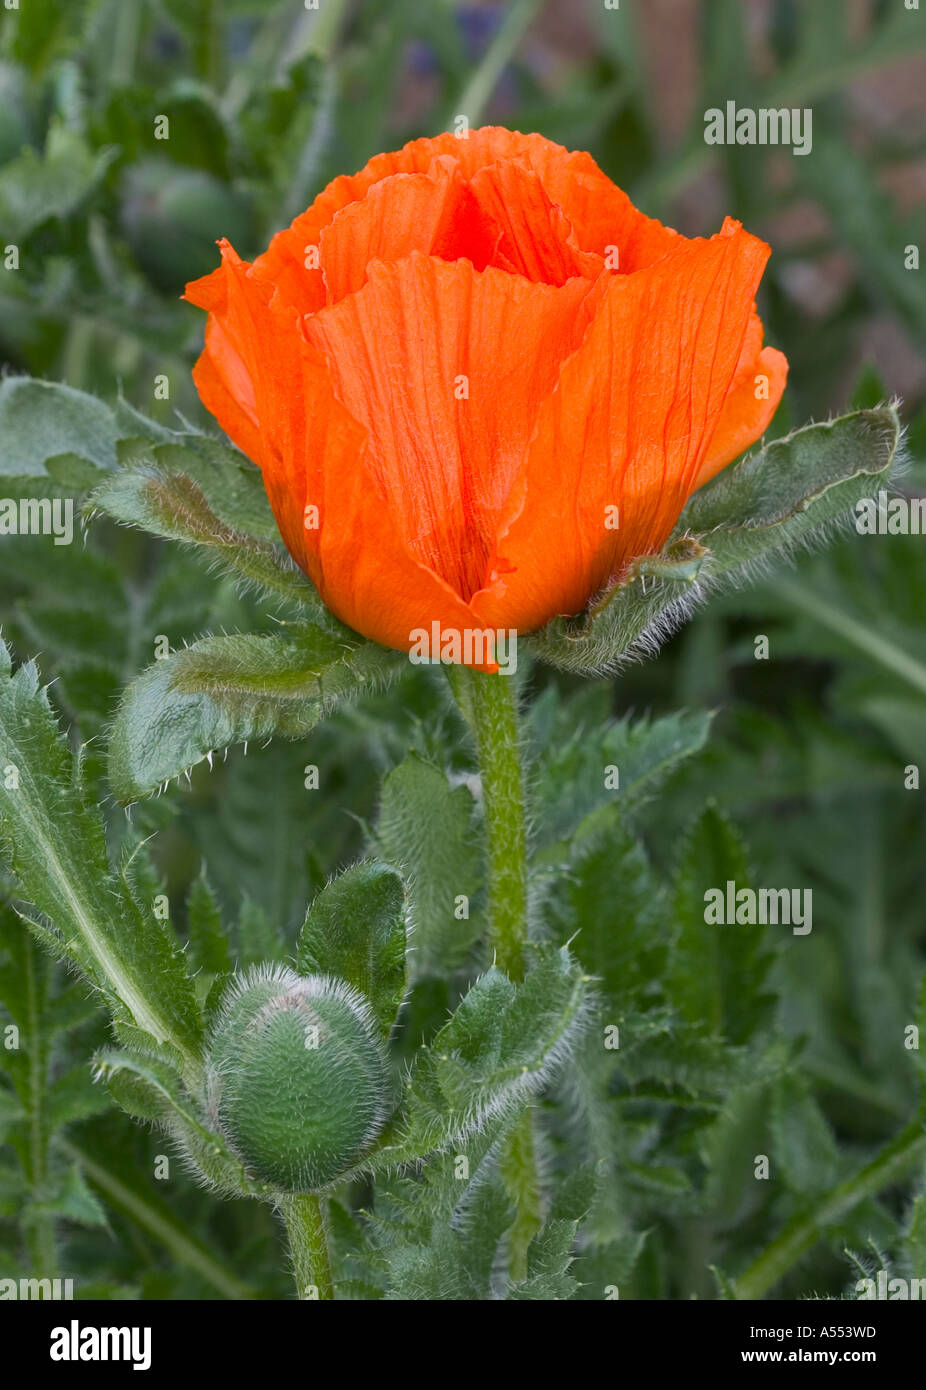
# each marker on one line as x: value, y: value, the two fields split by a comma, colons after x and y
x: 307, y: 1231
x: 801, y: 1235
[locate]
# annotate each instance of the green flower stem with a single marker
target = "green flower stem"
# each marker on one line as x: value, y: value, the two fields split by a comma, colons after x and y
x: 802, y: 1234
x: 490, y: 704
x: 473, y: 99
x: 167, y: 1231
x: 519, y: 1173
x: 307, y: 1230
x: 860, y: 635
x: 41, y: 1229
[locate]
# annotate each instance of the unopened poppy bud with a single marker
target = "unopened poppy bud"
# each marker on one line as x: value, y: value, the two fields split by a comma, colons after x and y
x: 171, y: 217
x: 297, y: 1077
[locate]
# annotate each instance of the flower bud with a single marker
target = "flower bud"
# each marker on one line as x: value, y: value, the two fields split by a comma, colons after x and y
x: 172, y: 216
x: 297, y: 1081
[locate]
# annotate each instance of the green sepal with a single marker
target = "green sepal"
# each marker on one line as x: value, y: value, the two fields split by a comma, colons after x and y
x: 230, y: 689
x: 172, y: 505
x: 766, y: 505
x: 355, y: 930
x: 499, y: 1047
x: 151, y: 1090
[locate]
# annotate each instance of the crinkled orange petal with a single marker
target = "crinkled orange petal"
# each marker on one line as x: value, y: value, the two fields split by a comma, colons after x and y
x: 250, y: 373
x: 445, y: 367
x: 532, y: 235
x: 365, y: 573
x: 599, y: 213
x: 431, y: 361
x: 744, y: 418
x: 313, y: 455
x: 628, y: 426
x: 409, y: 212
x: 235, y: 409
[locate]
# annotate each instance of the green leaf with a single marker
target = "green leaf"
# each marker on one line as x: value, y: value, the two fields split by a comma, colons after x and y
x: 648, y: 603
x: 769, y: 503
x: 780, y: 496
x: 172, y: 505
x: 498, y: 1048
x: 232, y: 485
x: 426, y: 828
x: 915, y: 1239
x: 610, y: 902
x: 355, y: 930
x: 441, y: 1236
x: 73, y: 1096
x: 208, y: 949
x: 804, y: 1151
x: 73, y: 1200
x: 573, y: 787
x: 55, y: 845
x: 35, y: 188
x: 729, y: 1147
x: 40, y: 420
x: 151, y: 1090
x: 717, y: 972
x: 225, y: 690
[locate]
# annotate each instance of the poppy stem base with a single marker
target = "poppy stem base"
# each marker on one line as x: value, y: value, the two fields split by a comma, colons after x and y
x: 490, y: 705
x: 306, y: 1222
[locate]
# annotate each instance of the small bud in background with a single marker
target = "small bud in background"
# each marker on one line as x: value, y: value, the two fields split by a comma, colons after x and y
x: 297, y: 1076
x: 172, y: 217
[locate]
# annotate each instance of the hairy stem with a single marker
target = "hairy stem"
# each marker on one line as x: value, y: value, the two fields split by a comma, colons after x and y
x: 519, y: 1173
x: 489, y: 703
x: 41, y: 1229
x: 307, y: 1231
x: 802, y: 1234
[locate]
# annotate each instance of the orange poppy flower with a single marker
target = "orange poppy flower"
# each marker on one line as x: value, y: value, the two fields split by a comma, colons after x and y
x: 479, y: 382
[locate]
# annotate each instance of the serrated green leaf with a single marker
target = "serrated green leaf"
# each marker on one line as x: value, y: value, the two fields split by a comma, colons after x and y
x: 355, y: 930
x: 152, y: 1091
x: 224, y: 690
x: 55, y: 845
x: 500, y: 1045
x: 610, y: 902
x: 209, y: 949
x: 717, y: 973
x: 578, y: 767
x: 426, y: 828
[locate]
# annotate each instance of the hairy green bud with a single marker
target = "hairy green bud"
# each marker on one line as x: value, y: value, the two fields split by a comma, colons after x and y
x: 297, y: 1078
